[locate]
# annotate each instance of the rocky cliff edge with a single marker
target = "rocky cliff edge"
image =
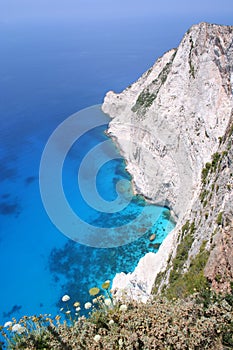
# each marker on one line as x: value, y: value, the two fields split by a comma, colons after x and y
x: 169, y: 125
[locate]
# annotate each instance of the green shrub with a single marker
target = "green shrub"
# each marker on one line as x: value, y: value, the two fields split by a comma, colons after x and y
x: 185, y: 228
x: 145, y: 100
x: 205, y: 172
x: 215, y: 159
x: 219, y: 218
x: 184, y: 284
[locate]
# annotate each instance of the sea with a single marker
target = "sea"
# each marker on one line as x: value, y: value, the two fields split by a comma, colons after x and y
x: 52, y: 72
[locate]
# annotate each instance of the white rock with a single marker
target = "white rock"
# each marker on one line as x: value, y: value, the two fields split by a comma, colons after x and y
x: 167, y: 125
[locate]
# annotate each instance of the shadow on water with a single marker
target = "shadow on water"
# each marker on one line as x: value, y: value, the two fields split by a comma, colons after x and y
x: 15, y: 309
x: 6, y: 172
x: 29, y: 180
x: 10, y: 208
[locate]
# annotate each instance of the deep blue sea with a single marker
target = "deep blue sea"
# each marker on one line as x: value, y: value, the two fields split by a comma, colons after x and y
x: 48, y: 72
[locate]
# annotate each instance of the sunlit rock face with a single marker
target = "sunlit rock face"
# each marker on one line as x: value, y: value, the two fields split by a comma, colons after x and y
x: 167, y: 125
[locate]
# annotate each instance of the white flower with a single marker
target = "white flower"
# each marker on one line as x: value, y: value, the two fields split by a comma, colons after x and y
x: 68, y: 312
x: 123, y: 307
x: 95, y: 300
x: 108, y: 302
x: 8, y: 324
x: 18, y: 328
x: 120, y: 342
x: 78, y: 309
x: 111, y: 322
x: 65, y: 297
x: 87, y: 305
x: 97, y: 338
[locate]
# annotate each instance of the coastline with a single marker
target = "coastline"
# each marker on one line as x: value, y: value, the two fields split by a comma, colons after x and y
x: 137, y: 285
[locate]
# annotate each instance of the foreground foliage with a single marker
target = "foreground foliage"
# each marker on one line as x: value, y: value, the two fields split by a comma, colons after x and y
x: 202, y: 321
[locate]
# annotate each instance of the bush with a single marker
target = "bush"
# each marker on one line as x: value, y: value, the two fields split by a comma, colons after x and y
x: 159, y: 324
x: 184, y: 284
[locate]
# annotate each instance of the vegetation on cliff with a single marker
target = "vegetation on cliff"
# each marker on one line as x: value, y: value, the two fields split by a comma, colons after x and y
x: 204, y: 320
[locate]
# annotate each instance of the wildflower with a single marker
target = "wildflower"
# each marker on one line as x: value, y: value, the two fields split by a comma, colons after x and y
x: 57, y: 318
x: 7, y: 324
x: 65, y: 297
x: 62, y: 308
x: 78, y: 309
x: 94, y: 291
x: 95, y: 300
x: 97, y: 338
x: 76, y: 304
x: 68, y: 312
x: 106, y: 284
x: 18, y: 328
x: 111, y: 322
x: 88, y: 305
x: 108, y: 302
x: 120, y: 342
x: 123, y: 307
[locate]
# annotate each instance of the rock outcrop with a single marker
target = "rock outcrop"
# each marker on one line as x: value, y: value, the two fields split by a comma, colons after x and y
x: 168, y: 125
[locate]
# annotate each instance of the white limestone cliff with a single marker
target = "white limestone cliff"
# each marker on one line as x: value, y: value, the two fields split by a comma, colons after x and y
x: 167, y: 125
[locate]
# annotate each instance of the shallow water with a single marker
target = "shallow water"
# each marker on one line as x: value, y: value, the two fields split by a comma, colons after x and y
x: 38, y: 263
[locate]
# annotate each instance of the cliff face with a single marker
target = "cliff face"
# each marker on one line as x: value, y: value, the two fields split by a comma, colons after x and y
x: 174, y: 115
x: 176, y: 118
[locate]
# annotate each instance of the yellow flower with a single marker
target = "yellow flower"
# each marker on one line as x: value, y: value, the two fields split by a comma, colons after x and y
x: 76, y: 304
x: 106, y: 284
x: 94, y: 291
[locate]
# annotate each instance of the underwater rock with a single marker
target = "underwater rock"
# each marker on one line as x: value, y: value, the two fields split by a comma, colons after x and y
x: 152, y: 237
x: 155, y: 245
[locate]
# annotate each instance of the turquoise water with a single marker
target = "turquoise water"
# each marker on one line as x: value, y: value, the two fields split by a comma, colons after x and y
x: 40, y: 264
x: 60, y: 70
